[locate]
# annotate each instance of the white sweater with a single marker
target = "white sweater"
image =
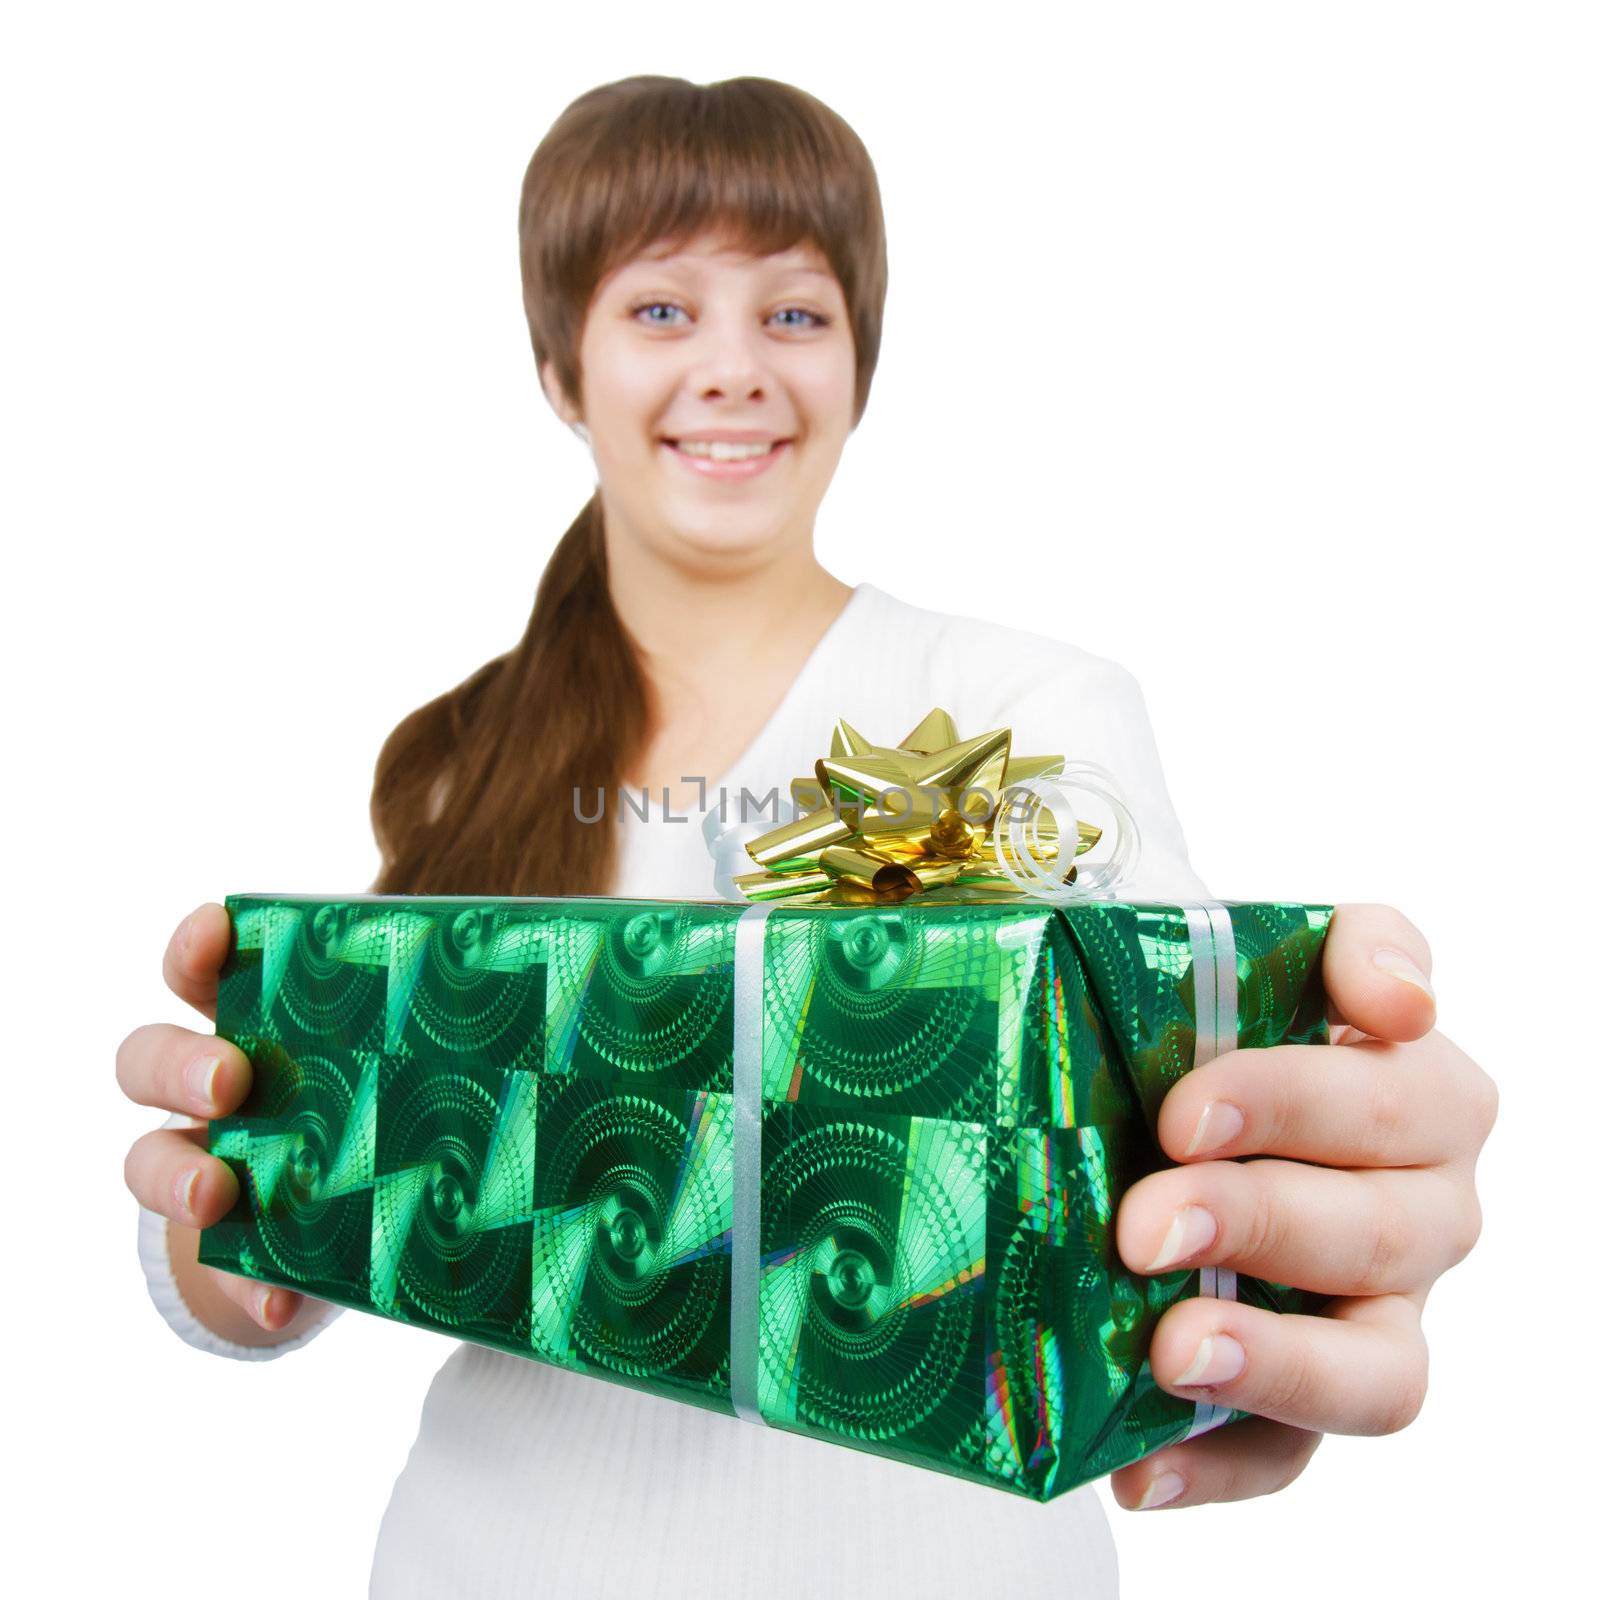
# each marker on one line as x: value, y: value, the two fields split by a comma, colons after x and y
x: 617, y: 1476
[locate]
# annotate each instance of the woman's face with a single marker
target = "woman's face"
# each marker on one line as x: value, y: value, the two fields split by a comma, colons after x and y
x: 710, y: 344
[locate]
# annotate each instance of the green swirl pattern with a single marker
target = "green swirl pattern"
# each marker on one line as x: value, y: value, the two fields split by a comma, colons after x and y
x: 513, y: 1121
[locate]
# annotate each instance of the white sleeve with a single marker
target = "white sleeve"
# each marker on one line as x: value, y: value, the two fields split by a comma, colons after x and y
x: 156, y: 1260
x: 1091, y: 709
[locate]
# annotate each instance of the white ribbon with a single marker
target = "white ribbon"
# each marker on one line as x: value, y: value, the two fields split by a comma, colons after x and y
x: 1216, y: 1031
x: 744, y: 1333
x: 726, y: 841
x: 1022, y: 853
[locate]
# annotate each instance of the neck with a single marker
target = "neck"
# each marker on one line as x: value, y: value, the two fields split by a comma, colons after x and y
x: 698, y: 628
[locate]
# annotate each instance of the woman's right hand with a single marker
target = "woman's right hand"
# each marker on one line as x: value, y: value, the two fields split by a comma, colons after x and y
x: 169, y: 1170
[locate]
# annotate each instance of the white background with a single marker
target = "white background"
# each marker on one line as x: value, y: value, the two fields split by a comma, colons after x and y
x: 1254, y: 346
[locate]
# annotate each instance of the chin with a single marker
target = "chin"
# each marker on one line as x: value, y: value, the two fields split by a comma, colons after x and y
x: 724, y: 535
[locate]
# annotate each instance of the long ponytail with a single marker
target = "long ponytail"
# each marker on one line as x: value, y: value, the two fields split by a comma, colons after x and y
x: 474, y: 792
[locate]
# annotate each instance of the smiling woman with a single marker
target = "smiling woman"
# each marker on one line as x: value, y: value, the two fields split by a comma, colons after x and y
x: 704, y: 273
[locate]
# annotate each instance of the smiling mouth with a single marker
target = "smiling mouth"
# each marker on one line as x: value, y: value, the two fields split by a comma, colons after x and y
x: 728, y: 462
x: 726, y: 450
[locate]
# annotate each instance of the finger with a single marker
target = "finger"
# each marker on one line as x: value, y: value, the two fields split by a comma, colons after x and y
x: 195, y: 954
x: 1367, y: 1104
x: 269, y: 1305
x: 1360, y: 1368
x: 1316, y: 1228
x: 1377, y: 970
x: 169, y: 1170
x: 1246, y: 1458
x: 176, y: 1069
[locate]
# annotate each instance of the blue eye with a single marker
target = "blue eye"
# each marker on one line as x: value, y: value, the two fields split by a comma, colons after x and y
x: 668, y: 305
x: 820, y: 322
x: 656, y: 305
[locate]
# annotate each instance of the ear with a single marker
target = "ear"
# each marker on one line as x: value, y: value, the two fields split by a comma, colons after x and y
x: 556, y: 396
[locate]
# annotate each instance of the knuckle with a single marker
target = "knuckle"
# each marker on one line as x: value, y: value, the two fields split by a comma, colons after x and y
x: 1293, y: 1390
x: 1272, y: 1099
x: 1485, y: 1103
x: 124, y: 1058
x: 1288, y: 1451
x: 1384, y: 1246
x: 1403, y: 1403
x: 1299, y: 1457
x: 1265, y: 1231
x: 1279, y: 1483
x: 131, y: 1164
x: 1388, y: 1113
x: 1233, y: 1480
x: 1469, y: 1227
x: 131, y: 1060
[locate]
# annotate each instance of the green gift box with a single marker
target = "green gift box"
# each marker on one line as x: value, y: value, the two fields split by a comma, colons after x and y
x: 849, y: 1170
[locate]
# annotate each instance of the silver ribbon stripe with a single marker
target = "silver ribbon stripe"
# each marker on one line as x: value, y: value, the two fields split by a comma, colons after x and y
x: 1216, y: 1031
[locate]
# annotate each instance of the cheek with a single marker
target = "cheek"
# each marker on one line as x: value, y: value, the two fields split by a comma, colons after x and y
x: 624, y: 392
x: 827, y: 391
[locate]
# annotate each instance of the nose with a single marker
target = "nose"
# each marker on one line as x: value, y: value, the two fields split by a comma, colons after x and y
x: 729, y: 362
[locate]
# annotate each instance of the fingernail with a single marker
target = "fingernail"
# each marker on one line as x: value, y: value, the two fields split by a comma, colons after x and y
x: 201, y: 1077
x: 1193, y: 1228
x: 183, y: 1188
x: 1163, y: 1487
x: 1220, y: 1359
x: 186, y: 936
x: 1399, y: 965
x: 263, y: 1305
x: 1219, y: 1122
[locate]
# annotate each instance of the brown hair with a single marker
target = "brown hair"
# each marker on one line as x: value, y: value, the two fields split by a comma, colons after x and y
x: 474, y: 791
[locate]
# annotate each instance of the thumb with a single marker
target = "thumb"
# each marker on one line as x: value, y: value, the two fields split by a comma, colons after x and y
x: 1376, y: 968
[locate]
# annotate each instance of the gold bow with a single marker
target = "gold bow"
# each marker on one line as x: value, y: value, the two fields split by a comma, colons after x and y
x: 889, y: 821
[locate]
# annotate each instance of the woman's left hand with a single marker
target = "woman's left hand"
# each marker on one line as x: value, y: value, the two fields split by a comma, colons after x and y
x: 1363, y: 1188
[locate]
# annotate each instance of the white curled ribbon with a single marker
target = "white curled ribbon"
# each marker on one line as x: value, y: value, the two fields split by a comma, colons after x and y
x: 1024, y: 854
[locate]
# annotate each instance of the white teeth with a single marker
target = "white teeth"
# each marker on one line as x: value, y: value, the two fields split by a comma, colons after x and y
x: 718, y: 450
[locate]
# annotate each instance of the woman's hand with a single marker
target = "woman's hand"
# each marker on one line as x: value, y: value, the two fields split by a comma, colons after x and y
x: 1393, y: 1116
x: 168, y: 1170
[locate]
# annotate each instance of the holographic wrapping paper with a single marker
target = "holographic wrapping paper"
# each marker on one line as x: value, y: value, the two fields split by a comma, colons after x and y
x: 512, y: 1121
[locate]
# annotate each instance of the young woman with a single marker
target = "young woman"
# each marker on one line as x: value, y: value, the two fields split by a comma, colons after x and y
x: 704, y: 274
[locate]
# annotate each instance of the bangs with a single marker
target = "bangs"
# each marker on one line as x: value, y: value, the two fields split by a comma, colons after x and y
x: 750, y: 180
x: 656, y: 162
x: 758, y: 170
